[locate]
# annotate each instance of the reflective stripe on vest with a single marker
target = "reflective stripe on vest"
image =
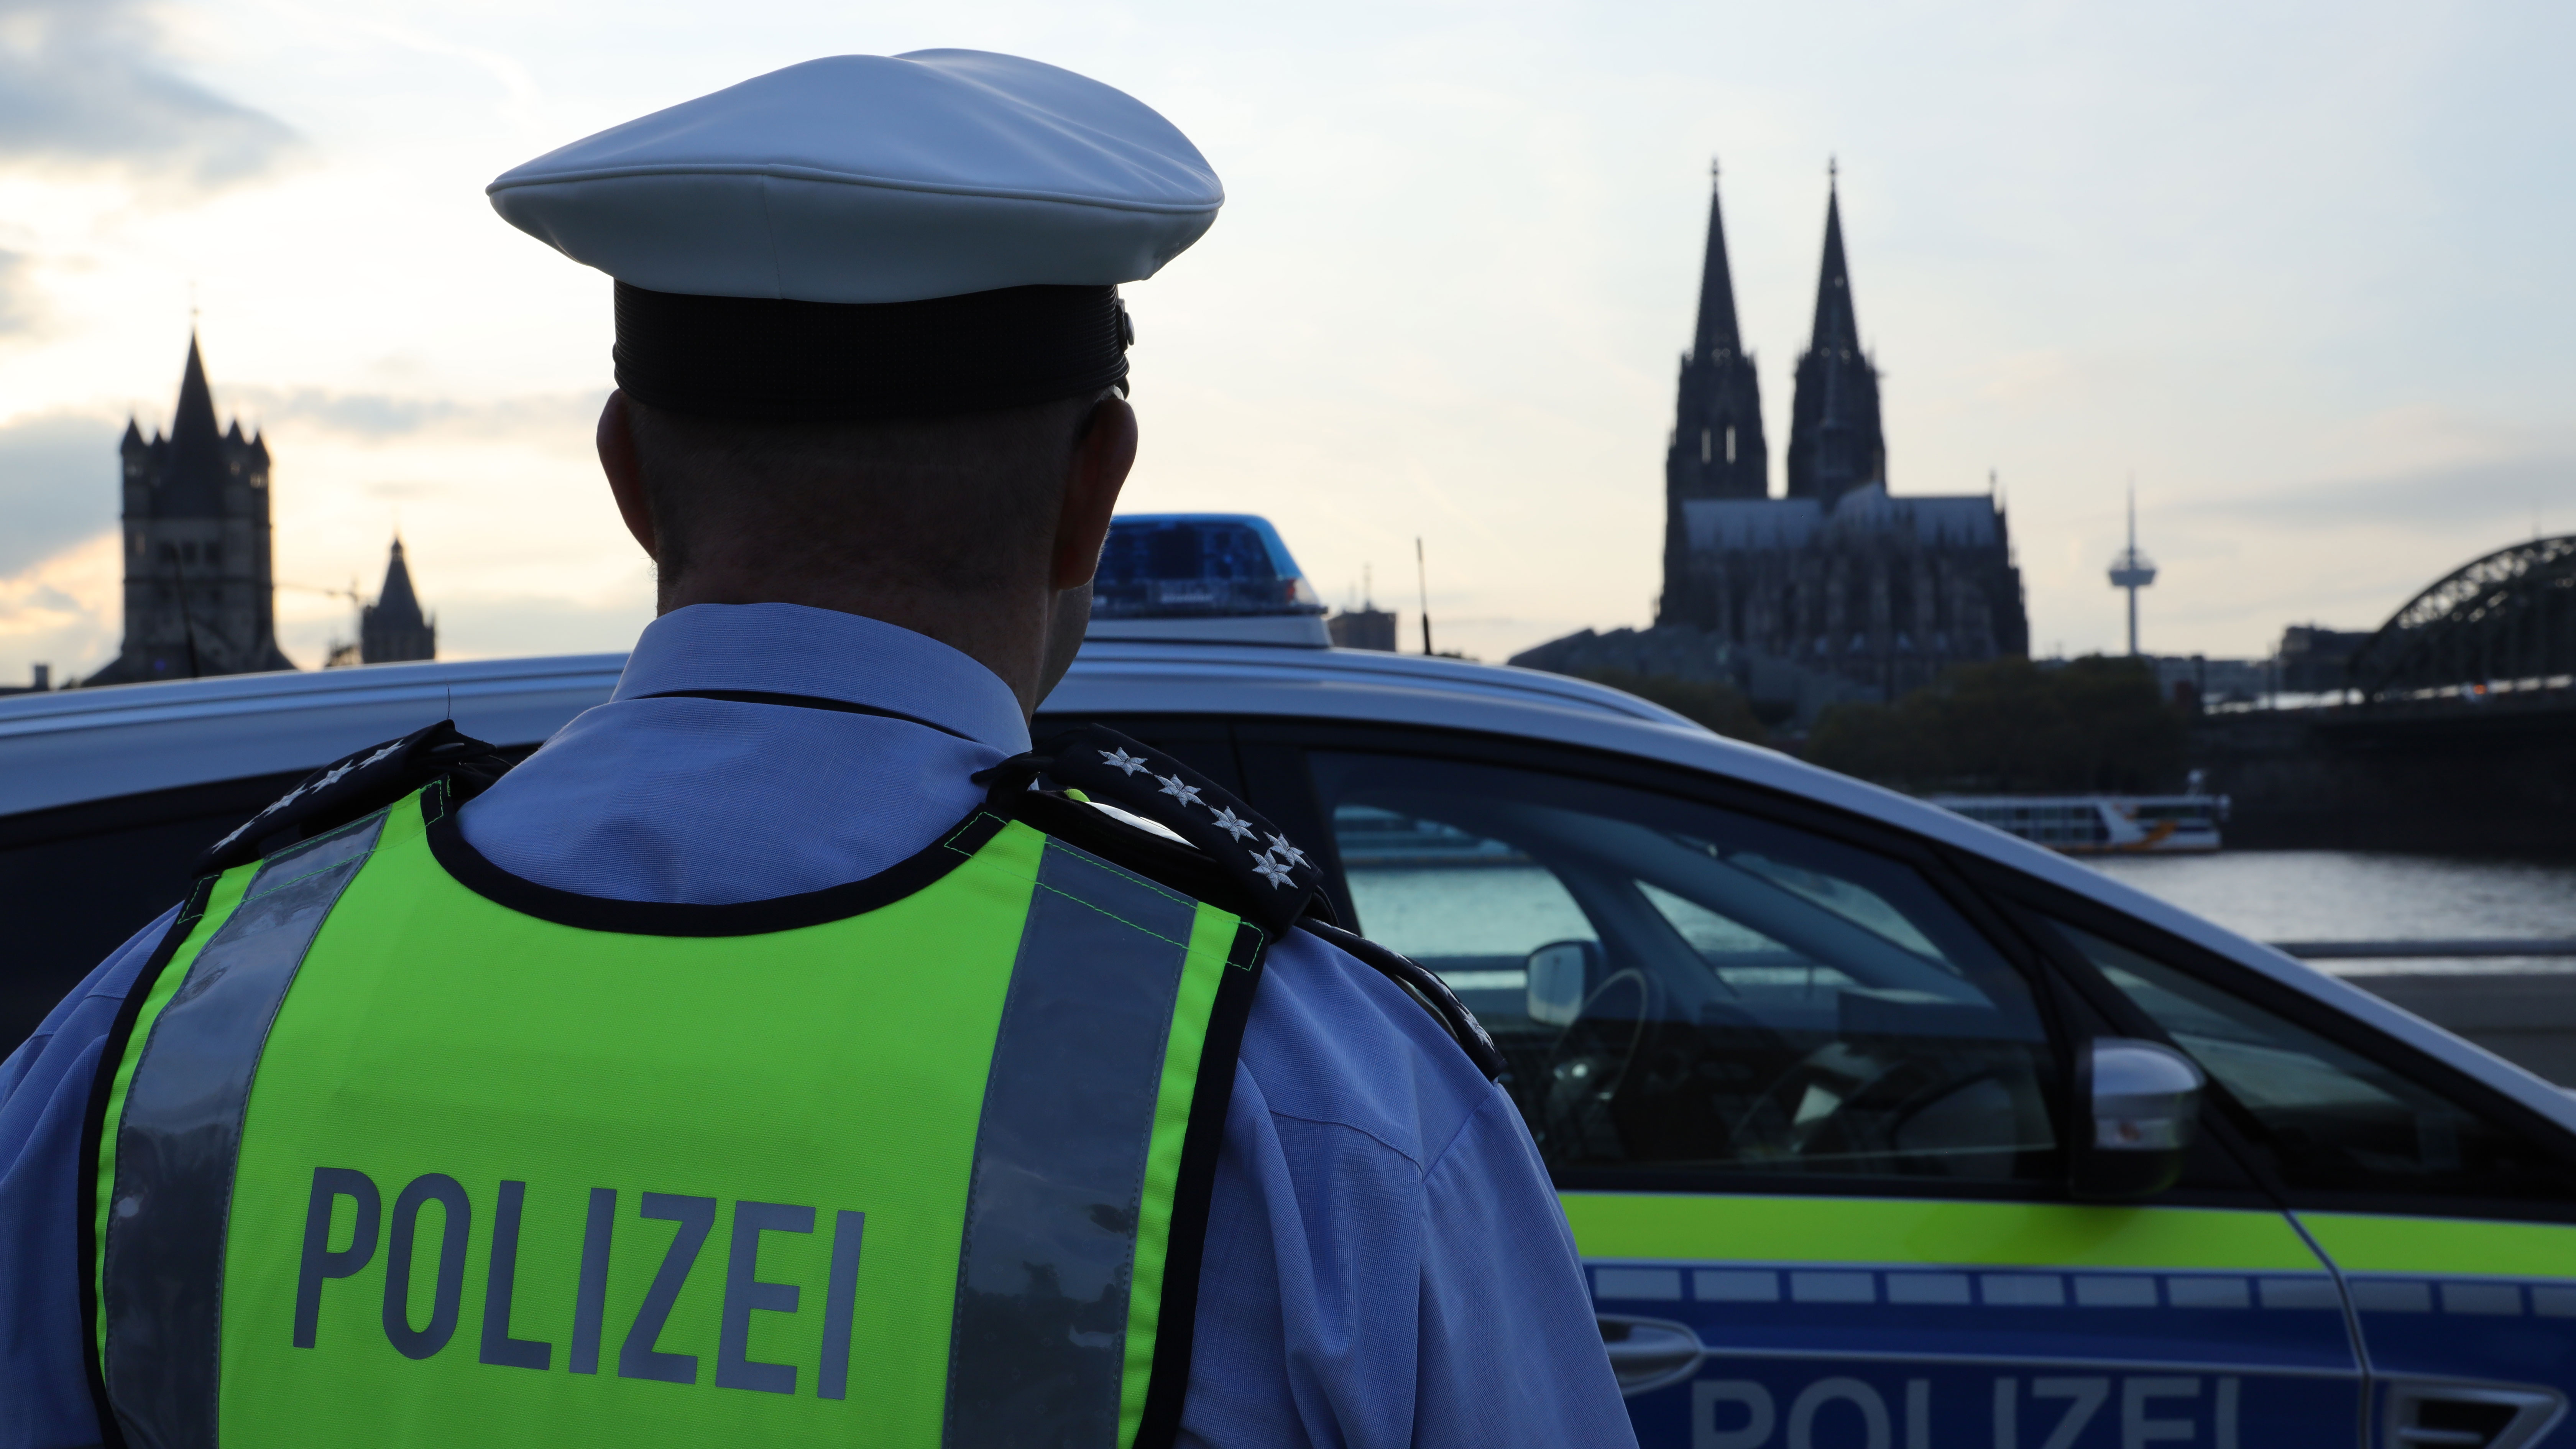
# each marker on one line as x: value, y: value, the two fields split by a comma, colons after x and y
x: 386, y: 1161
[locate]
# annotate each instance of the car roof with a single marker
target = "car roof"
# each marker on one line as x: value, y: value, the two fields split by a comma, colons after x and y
x: 75, y: 745
x: 70, y: 746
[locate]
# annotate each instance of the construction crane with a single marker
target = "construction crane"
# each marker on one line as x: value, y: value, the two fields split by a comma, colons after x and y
x: 342, y: 652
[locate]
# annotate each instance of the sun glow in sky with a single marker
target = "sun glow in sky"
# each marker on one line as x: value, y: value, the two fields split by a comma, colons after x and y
x: 2296, y: 269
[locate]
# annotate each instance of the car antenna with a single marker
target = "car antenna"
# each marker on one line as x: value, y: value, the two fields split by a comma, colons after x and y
x: 1422, y: 580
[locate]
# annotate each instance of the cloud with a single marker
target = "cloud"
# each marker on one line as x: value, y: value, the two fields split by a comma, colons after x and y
x: 2463, y: 494
x: 377, y: 415
x: 61, y: 612
x: 91, y: 83
x: 59, y: 484
x: 21, y: 307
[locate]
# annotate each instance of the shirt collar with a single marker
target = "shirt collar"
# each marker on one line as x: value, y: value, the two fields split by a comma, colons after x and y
x: 792, y: 649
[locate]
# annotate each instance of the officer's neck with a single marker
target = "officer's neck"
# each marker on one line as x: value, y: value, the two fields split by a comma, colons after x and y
x: 1026, y: 637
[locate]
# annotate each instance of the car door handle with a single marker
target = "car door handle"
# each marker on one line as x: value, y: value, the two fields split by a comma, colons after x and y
x: 1648, y: 1353
x: 2467, y: 1416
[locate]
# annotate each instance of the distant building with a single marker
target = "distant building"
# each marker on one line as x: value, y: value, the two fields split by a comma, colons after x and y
x: 392, y: 628
x: 2209, y: 681
x: 1364, y: 628
x: 2315, y: 659
x: 1778, y: 690
x: 1837, y: 576
x: 41, y: 677
x: 199, y: 598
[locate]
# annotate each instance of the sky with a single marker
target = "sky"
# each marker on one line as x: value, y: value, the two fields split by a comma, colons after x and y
x: 2293, y: 269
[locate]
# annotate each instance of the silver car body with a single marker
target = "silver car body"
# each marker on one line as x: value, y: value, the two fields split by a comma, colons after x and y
x: 75, y: 746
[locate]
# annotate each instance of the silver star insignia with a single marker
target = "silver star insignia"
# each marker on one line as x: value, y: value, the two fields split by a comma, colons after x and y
x: 1186, y: 794
x: 1286, y: 851
x: 329, y: 778
x: 1121, y: 761
x: 1234, y: 825
x: 1273, y: 871
x: 282, y: 801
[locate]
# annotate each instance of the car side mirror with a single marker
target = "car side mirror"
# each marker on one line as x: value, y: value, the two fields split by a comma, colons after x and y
x: 2142, y: 1109
x: 1560, y: 977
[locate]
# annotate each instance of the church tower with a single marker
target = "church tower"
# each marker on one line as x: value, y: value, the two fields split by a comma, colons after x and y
x: 393, y: 628
x: 1717, y: 449
x: 1834, y: 440
x: 199, y: 598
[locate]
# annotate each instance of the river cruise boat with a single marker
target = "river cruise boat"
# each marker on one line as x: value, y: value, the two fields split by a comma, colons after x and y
x: 2100, y: 824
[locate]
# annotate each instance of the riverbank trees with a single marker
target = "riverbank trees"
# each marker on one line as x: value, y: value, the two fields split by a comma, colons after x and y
x: 2011, y: 727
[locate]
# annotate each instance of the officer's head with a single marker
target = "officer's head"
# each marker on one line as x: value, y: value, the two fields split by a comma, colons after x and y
x: 871, y: 352
x: 979, y: 529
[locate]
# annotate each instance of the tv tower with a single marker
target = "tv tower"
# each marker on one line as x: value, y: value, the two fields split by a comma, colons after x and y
x: 2132, y: 570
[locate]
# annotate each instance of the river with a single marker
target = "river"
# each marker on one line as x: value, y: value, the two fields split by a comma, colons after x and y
x: 2343, y: 895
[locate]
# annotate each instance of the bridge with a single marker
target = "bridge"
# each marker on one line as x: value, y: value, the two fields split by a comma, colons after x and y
x: 2459, y: 733
x: 2503, y: 623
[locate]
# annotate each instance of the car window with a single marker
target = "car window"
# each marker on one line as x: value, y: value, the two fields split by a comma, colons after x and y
x: 2338, y: 1120
x: 1408, y: 876
x: 1680, y: 987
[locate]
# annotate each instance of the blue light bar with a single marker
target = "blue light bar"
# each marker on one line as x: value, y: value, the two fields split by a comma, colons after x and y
x: 1198, y: 565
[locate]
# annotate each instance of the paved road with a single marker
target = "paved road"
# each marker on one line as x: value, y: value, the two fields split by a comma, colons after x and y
x: 2526, y: 1017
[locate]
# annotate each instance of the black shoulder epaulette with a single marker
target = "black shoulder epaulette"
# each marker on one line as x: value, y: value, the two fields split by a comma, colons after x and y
x: 1424, y: 986
x: 1227, y: 854
x: 358, y: 785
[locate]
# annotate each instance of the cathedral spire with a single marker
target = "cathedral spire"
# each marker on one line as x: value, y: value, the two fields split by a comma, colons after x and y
x: 1837, y: 329
x: 1835, y: 444
x: 1716, y: 334
x: 1717, y: 450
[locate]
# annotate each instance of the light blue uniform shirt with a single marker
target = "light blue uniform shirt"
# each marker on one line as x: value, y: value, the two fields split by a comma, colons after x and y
x: 1386, y: 1263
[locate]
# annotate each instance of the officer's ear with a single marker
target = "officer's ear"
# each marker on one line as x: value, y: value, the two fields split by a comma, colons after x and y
x: 1103, y: 452
x: 625, y: 474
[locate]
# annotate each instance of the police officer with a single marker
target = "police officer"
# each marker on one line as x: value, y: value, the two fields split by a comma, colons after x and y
x: 788, y: 1052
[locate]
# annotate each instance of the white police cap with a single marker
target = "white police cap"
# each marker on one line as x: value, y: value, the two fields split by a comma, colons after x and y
x: 865, y: 236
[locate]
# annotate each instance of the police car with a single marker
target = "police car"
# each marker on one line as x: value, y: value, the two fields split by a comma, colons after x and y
x: 1875, y: 1127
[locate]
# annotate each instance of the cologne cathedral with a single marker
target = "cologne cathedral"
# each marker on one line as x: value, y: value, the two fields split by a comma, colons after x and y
x: 1837, y: 576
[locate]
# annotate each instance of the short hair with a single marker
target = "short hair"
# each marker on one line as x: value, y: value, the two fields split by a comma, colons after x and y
x: 951, y: 504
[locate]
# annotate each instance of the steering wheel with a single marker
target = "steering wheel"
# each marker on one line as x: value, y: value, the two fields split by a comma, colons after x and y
x: 1588, y: 1066
x: 1619, y: 1087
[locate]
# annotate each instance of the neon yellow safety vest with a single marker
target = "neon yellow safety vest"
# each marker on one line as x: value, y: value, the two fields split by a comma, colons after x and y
x: 399, y: 1149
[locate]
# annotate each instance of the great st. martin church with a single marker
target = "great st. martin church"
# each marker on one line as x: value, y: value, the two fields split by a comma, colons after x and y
x: 199, y: 599
x: 1836, y: 576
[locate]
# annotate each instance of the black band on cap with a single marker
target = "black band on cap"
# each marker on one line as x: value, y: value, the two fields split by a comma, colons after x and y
x: 781, y: 361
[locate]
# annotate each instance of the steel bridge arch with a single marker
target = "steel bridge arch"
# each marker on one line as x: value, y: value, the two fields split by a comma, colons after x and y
x: 2506, y: 619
